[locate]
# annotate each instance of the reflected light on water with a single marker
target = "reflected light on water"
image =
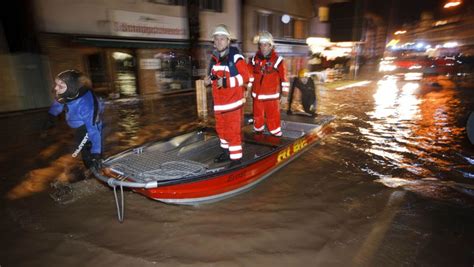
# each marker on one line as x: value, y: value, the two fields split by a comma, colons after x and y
x: 395, y: 109
x: 393, y: 104
x: 352, y: 85
x: 126, y: 82
x: 38, y: 180
x: 413, y: 130
x: 385, y: 97
x: 437, y: 122
x: 128, y: 123
x: 409, y: 88
x: 408, y: 103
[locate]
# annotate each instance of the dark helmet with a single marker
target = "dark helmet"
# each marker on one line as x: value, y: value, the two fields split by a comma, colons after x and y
x: 72, y: 80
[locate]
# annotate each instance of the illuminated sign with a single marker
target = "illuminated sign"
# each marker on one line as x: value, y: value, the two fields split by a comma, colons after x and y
x: 125, y: 23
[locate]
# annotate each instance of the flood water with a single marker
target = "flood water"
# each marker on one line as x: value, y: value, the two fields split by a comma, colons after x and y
x: 392, y: 185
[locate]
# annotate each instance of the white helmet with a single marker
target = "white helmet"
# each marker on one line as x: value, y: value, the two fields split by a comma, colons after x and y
x: 265, y: 37
x: 221, y: 29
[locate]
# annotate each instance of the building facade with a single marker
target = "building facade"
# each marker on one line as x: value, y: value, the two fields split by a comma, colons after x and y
x: 130, y: 47
x: 141, y: 47
x: 288, y: 21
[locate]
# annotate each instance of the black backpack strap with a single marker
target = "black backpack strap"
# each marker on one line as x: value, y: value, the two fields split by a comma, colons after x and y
x: 96, y: 117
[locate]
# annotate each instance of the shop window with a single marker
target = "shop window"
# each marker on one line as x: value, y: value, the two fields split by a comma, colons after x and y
x: 97, y: 69
x: 288, y: 29
x: 211, y: 5
x: 174, y: 71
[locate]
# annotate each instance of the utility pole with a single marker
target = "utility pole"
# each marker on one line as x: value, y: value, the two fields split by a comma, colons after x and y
x: 192, y: 7
x: 358, y: 32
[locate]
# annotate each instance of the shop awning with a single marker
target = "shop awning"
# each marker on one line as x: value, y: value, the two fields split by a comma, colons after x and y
x: 131, y: 43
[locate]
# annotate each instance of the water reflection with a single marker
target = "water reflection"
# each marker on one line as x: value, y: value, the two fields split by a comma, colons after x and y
x: 125, y: 80
x: 126, y: 83
x: 385, y: 98
x: 128, y: 123
x: 393, y: 108
x: 408, y: 102
x: 413, y: 130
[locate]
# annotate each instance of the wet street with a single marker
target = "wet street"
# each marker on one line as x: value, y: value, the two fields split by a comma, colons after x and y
x: 392, y: 185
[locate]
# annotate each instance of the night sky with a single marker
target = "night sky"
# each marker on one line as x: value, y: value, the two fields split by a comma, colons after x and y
x: 405, y: 11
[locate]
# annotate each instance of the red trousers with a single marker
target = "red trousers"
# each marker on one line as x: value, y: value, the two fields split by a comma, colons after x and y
x: 229, y: 128
x: 269, y: 109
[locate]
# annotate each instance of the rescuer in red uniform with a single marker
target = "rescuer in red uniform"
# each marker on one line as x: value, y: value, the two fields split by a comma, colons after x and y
x: 269, y: 73
x: 228, y: 74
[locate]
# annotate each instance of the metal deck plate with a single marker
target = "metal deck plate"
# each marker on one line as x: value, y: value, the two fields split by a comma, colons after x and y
x: 155, y: 165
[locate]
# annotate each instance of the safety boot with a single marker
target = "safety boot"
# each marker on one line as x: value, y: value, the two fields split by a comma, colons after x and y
x: 224, y: 156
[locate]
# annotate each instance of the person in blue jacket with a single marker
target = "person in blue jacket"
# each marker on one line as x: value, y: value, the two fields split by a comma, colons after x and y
x: 74, y: 96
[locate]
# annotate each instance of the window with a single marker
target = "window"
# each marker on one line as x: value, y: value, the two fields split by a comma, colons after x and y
x: 272, y: 22
x: 175, y: 70
x: 277, y: 26
x: 208, y: 5
x: 97, y: 68
x: 300, y: 29
x: 264, y: 22
x: 288, y: 29
x: 169, y: 2
x: 211, y: 5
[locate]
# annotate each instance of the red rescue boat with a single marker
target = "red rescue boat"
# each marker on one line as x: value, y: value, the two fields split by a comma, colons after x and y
x: 181, y: 170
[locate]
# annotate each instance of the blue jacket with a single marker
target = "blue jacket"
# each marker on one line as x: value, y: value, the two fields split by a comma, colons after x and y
x: 80, y: 112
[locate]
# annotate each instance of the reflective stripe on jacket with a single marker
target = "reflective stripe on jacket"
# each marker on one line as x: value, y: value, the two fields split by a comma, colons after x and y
x: 269, y: 76
x: 233, y: 69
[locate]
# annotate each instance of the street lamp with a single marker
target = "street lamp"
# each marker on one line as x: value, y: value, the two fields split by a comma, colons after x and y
x: 285, y: 18
x: 452, y: 3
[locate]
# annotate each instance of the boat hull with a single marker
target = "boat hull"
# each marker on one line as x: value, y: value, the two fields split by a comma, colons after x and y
x: 234, y: 181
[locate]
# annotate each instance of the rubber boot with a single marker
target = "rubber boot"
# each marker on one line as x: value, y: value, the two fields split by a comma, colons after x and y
x: 224, y: 156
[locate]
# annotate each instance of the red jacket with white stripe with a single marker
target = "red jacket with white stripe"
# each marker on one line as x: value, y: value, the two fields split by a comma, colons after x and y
x: 269, y: 75
x: 234, y: 68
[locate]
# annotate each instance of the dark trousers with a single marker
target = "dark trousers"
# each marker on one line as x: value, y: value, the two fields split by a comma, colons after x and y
x: 308, y: 95
x: 86, y: 149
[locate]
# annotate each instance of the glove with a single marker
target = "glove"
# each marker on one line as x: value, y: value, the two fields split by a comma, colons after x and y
x: 96, y: 161
x: 48, y: 124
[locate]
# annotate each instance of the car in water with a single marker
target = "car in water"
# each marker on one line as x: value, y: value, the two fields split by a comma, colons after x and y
x: 446, y: 65
x: 404, y: 64
x: 420, y: 65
